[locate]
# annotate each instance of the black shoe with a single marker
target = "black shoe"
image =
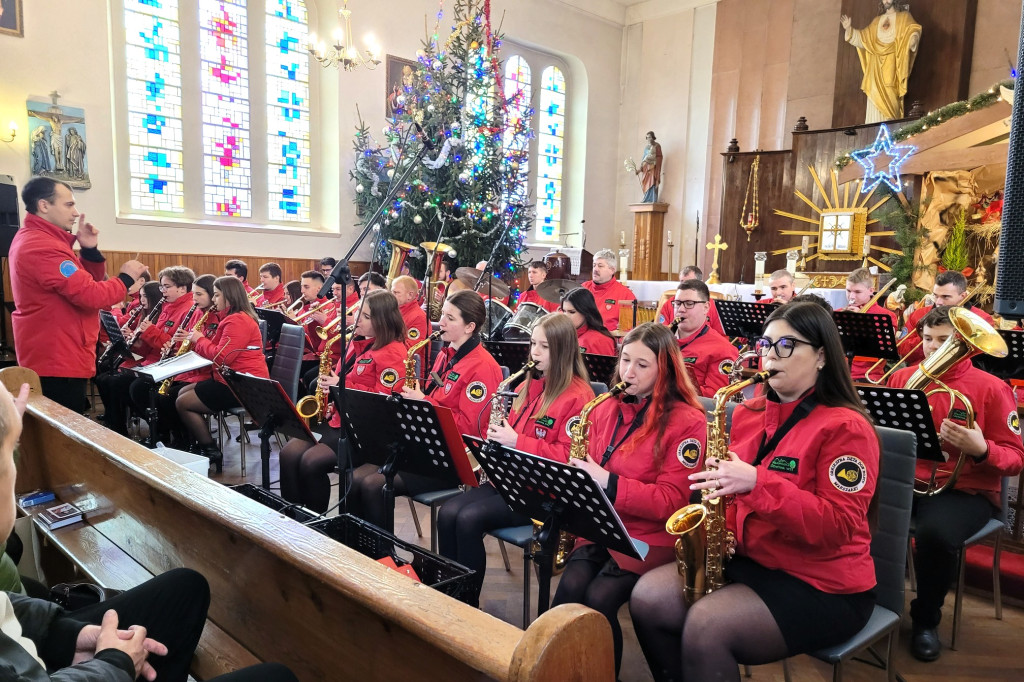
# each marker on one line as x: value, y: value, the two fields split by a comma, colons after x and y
x: 924, y: 644
x: 214, y: 454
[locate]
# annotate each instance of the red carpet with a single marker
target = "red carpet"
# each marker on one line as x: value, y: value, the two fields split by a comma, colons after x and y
x: 1011, y: 570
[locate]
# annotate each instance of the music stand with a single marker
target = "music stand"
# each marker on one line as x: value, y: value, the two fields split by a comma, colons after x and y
x: 271, y: 409
x: 511, y: 354
x: 866, y: 334
x: 119, y: 345
x: 413, y: 436
x: 274, y: 320
x: 1011, y: 367
x: 907, y: 410
x: 564, y: 497
x: 600, y: 367
x: 743, y: 319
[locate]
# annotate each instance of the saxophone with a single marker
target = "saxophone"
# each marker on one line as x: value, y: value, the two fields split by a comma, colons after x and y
x: 501, y: 402
x: 578, y: 450
x: 410, y: 359
x: 702, y: 539
x: 317, y: 405
x: 185, y: 347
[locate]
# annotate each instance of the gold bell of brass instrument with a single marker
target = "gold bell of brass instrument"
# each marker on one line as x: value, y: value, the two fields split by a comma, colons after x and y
x: 972, y: 336
x: 317, y: 405
x: 312, y: 309
x: 399, y: 254
x: 435, y: 255
x: 334, y: 325
x: 255, y: 293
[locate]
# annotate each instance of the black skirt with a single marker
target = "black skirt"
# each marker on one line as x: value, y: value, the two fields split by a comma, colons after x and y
x: 808, y: 618
x: 216, y: 396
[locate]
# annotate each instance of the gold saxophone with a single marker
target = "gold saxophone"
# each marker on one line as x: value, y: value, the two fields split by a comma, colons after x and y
x: 317, y: 405
x: 702, y: 538
x: 185, y: 347
x: 578, y: 450
x: 501, y: 402
x: 410, y: 359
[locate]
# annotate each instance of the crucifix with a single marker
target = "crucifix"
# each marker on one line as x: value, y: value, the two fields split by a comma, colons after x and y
x: 717, y: 245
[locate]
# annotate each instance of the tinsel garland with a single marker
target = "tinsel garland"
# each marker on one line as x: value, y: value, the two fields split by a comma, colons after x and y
x: 941, y: 115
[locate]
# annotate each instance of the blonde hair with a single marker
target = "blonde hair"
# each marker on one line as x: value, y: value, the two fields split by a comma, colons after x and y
x: 407, y: 283
x: 860, y: 276
x: 565, y: 363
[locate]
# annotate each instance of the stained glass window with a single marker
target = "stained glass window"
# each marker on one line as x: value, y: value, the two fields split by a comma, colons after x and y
x: 550, y: 154
x: 517, y: 151
x: 153, y: 71
x: 224, y: 59
x: 289, y: 176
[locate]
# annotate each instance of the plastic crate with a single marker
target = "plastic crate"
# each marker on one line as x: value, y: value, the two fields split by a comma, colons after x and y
x: 275, y: 502
x: 433, y: 570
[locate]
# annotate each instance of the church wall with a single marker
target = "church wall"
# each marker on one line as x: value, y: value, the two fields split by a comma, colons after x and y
x: 996, y: 36
x: 79, y: 68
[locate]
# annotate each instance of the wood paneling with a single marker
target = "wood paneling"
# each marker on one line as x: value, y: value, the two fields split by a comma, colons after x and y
x: 941, y: 72
x: 213, y: 264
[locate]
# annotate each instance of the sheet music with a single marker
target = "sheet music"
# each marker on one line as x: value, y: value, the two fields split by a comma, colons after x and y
x: 173, y: 366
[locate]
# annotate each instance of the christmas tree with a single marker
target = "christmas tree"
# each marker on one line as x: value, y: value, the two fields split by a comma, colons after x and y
x: 472, y: 178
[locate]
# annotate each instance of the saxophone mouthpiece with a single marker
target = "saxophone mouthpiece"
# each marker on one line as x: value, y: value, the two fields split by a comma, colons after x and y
x: 619, y: 388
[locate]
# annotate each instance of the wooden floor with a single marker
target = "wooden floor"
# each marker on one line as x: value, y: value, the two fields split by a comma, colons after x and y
x: 989, y: 649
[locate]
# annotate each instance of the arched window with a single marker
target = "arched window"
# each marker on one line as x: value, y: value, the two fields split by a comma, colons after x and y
x: 225, y: 106
x: 518, y: 94
x: 550, y: 154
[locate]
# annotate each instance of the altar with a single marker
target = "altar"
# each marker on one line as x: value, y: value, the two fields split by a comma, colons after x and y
x: 646, y: 290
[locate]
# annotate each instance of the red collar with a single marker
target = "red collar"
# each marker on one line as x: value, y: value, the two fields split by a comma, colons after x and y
x: 34, y: 222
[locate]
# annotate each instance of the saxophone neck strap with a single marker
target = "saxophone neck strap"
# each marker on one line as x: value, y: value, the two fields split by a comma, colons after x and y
x: 801, y: 411
x: 637, y: 421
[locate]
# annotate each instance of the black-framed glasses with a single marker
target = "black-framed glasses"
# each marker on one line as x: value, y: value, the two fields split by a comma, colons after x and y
x: 784, y: 346
x: 686, y: 304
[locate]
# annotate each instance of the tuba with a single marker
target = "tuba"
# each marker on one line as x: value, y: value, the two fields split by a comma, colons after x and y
x: 435, y: 254
x: 399, y: 254
x: 972, y: 336
x: 702, y: 539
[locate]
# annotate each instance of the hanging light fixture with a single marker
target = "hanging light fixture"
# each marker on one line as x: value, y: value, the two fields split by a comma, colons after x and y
x: 344, y: 54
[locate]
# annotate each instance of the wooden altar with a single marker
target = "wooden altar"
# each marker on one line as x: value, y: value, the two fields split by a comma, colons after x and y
x: 648, y: 234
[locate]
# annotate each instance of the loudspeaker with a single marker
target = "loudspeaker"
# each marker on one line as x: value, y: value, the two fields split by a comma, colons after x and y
x: 1009, y: 274
x: 9, y: 215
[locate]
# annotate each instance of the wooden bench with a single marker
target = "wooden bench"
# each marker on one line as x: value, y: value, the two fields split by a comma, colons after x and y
x: 279, y: 590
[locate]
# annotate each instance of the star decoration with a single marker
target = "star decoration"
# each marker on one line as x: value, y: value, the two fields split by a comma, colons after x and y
x: 882, y: 161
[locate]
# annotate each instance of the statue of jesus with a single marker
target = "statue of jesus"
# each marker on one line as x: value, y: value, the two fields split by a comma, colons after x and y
x: 887, y: 48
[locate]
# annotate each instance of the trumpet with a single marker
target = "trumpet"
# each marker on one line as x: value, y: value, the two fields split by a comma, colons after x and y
x: 334, y: 325
x: 255, y: 293
x: 312, y: 309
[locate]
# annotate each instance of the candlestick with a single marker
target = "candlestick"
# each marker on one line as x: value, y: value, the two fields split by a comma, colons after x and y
x: 670, y: 237
x: 867, y: 250
x: 622, y: 237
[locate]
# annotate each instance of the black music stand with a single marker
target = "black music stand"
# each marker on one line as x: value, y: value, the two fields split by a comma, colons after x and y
x: 743, y: 319
x: 511, y: 354
x: 866, y: 334
x: 274, y: 320
x: 907, y: 410
x: 119, y: 345
x: 400, y: 435
x: 271, y: 409
x: 600, y: 367
x: 1012, y: 366
x: 564, y: 497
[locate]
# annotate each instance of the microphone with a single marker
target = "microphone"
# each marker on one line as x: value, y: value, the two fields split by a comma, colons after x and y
x: 338, y: 274
x: 427, y: 142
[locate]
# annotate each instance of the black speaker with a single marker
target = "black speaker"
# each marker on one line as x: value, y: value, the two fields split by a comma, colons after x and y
x: 1009, y: 273
x: 9, y: 215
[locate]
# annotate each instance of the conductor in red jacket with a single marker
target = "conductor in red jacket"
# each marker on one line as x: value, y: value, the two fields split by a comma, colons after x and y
x: 58, y: 293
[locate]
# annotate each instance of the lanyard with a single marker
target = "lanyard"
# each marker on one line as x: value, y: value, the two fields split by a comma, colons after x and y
x: 463, y: 351
x: 637, y: 421
x: 801, y: 411
x: 528, y: 409
x: 702, y: 333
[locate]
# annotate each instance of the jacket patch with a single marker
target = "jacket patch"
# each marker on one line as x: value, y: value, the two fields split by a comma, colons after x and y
x: 360, y: 368
x: 67, y: 268
x: 546, y: 421
x: 476, y: 391
x: 848, y: 474
x: 787, y: 465
x: 1013, y: 421
x: 725, y: 367
x: 688, y: 452
x: 571, y: 424
x: 389, y: 377
x: 958, y: 414
x: 608, y: 303
x: 690, y: 359
x: 540, y: 432
x: 414, y: 333
x: 448, y: 388
x: 453, y: 376
x: 364, y: 361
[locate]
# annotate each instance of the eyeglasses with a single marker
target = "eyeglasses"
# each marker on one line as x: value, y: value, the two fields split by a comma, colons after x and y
x: 784, y: 347
x: 168, y: 286
x: 686, y: 304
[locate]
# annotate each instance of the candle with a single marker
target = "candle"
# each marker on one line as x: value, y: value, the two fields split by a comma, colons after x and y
x: 622, y: 237
x: 804, y: 243
x: 867, y: 244
x: 670, y: 236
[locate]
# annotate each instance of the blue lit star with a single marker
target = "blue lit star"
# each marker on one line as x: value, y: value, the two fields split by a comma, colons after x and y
x: 882, y: 161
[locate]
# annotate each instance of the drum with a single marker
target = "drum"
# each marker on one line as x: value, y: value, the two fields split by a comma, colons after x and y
x: 520, y: 327
x: 498, y: 314
x: 559, y: 265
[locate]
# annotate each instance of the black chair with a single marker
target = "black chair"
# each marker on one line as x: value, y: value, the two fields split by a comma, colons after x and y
x: 599, y: 387
x: 709, y: 406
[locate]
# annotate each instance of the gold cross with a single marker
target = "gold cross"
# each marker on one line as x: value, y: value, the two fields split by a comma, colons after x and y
x: 717, y: 245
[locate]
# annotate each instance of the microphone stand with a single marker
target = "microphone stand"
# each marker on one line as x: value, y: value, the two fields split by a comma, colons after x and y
x: 490, y: 261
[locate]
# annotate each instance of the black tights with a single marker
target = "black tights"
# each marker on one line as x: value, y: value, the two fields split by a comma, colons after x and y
x: 585, y: 581
x: 709, y: 640
x: 305, y: 470
x: 461, y: 524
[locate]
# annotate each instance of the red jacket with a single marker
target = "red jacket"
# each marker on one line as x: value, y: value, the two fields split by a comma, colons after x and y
x: 210, y: 332
x: 550, y: 435
x: 57, y: 300
x: 531, y: 296
x: 467, y: 387
x: 807, y: 513
x: 236, y: 332
x: 709, y: 356
x: 152, y: 341
x: 272, y: 297
x: 375, y: 371
x: 995, y: 412
x: 314, y: 344
x: 666, y: 315
x: 607, y: 297
x: 645, y: 495
x: 860, y: 366
x: 416, y: 329
x: 912, y: 338
x: 594, y: 342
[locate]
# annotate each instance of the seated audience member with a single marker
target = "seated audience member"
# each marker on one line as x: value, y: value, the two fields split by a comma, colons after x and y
x: 707, y: 354
x: 607, y: 290
x: 859, y: 289
x: 536, y: 273
x: 149, y: 632
x: 593, y: 336
x: 780, y: 283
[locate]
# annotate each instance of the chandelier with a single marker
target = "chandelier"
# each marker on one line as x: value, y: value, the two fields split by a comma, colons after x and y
x: 344, y: 54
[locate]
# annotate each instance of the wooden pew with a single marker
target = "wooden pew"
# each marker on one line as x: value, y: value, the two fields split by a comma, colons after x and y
x: 282, y: 591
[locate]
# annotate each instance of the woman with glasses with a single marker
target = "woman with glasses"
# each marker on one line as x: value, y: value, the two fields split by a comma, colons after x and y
x: 801, y: 472
x: 374, y: 362
x: 707, y: 354
x: 594, y: 337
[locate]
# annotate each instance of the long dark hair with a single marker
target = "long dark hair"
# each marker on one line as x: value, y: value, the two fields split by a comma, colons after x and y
x: 834, y: 386
x: 583, y: 301
x: 235, y: 296
x: 151, y: 292
x: 673, y: 384
x: 388, y: 325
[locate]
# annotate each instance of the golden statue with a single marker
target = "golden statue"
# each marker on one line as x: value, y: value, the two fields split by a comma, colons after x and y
x: 887, y: 48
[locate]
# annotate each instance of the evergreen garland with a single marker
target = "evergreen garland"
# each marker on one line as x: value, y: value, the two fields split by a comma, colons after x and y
x: 954, y: 256
x: 904, y: 222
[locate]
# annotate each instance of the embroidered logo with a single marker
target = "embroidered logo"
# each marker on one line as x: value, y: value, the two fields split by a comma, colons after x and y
x: 546, y: 421
x: 848, y: 474
x: 448, y: 388
x: 958, y: 414
x: 608, y: 303
x: 571, y: 424
x: 389, y: 377
x: 453, y: 376
x: 1013, y: 421
x: 787, y: 465
x: 476, y: 391
x: 360, y: 368
x: 414, y: 333
x: 168, y: 324
x: 365, y: 361
x: 540, y: 432
x: 690, y: 359
x: 67, y: 268
x: 725, y: 367
x: 688, y: 452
